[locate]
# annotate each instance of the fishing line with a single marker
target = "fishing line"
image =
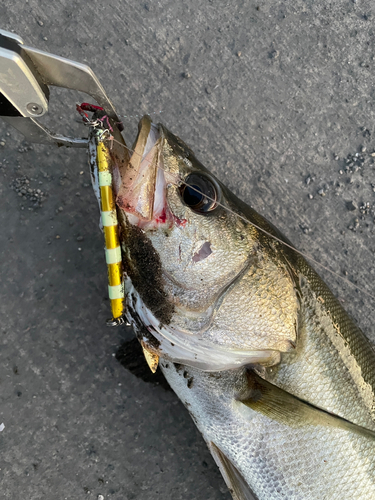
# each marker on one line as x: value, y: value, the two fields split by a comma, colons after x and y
x: 264, y: 231
x: 140, y: 116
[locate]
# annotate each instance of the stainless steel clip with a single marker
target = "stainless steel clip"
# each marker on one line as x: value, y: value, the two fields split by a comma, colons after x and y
x: 25, y: 77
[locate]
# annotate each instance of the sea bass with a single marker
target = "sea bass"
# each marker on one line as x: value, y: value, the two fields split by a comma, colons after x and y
x: 275, y: 374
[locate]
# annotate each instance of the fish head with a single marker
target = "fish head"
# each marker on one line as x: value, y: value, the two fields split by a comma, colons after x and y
x: 204, y: 285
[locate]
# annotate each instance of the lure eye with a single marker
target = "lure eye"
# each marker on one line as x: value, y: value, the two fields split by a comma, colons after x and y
x: 199, y: 193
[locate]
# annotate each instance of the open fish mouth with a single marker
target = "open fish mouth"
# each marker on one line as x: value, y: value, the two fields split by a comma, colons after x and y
x: 142, y: 192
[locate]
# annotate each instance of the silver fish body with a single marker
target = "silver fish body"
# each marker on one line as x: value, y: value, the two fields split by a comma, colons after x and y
x: 277, y: 377
x: 266, y: 458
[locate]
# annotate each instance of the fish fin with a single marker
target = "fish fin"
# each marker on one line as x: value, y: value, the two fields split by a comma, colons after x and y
x: 233, y: 478
x: 277, y: 404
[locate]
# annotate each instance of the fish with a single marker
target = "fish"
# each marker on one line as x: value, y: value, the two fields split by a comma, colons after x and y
x: 275, y: 374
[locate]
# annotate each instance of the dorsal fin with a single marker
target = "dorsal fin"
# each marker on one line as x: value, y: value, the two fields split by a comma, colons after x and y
x: 277, y: 404
x: 237, y: 485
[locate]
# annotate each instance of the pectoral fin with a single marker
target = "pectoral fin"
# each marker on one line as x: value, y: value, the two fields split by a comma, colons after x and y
x: 236, y: 483
x: 280, y: 405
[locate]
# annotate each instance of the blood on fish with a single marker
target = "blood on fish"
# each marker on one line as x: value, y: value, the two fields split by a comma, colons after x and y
x: 180, y: 222
x: 162, y: 218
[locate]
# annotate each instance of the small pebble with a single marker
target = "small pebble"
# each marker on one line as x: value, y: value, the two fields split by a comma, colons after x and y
x: 79, y: 238
x: 354, y: 226
x: 274, y: 54
x: 57, y: 236
x: 321, y: 192
x: 100, y: 497
x: 365, y: 208
x: 40, y: 23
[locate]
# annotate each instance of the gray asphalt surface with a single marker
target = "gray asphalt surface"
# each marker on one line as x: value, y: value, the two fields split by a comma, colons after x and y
x: 268, y: 94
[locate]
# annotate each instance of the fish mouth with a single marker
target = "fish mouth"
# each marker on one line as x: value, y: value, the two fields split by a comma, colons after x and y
x: 142, y: 191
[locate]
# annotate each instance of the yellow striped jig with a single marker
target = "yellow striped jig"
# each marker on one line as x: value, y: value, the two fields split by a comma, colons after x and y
x: 101, y: 175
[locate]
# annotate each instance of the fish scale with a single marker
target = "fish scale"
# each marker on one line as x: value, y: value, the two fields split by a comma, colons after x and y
x: 277, y: 460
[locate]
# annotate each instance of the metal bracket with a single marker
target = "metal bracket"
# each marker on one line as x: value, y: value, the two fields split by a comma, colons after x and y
x: 25, y: 76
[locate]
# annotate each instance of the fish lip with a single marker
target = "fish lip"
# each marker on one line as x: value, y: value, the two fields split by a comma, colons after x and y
x: 142, y: 191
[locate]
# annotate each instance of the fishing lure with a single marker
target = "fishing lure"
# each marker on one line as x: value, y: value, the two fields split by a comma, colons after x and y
x: 101, y: 168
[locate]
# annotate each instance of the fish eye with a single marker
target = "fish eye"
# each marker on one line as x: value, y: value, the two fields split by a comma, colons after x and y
x: 199, y: 193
